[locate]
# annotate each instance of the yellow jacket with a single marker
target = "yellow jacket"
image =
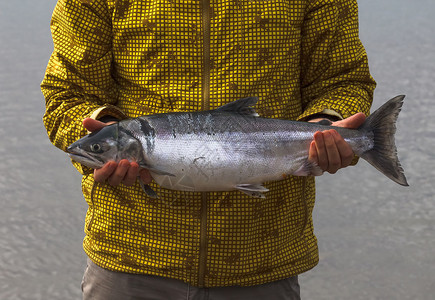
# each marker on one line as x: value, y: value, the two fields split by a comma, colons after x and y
x: 130, y: 58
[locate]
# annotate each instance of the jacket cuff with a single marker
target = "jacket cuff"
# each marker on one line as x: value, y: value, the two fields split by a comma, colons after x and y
x: 308, y: 115
x: 105, y: 112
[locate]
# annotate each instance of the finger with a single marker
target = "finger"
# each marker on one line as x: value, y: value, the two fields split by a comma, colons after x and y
x: 145, y: 176
x: 322, y: 156
x: 346, y: 152
x: 312, y: 154
x: 334, y: 159
x: 118, y: 175
x: 131, y: 175
x: 101, y: 175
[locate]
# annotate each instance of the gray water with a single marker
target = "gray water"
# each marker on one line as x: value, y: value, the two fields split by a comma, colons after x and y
x: 376, y: 238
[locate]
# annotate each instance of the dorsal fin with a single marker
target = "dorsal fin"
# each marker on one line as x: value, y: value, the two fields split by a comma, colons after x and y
x: 244, y: 106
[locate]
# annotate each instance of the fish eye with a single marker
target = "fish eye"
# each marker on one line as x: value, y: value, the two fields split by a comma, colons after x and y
x: 95, y: 148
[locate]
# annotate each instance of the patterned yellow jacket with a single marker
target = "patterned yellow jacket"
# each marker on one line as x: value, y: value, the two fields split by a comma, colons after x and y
x: 127, y: 58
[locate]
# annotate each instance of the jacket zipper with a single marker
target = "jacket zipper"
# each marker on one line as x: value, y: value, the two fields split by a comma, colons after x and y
x: 205, y: 105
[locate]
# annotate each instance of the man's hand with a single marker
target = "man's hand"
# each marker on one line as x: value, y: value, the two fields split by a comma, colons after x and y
x: 115, y: 173
x: 329, y: 149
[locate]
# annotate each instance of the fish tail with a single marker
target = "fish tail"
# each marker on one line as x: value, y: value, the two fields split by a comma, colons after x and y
x: 383, y: 155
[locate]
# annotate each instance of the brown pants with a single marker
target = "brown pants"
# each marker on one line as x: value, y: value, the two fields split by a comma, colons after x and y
x: 102, y: 284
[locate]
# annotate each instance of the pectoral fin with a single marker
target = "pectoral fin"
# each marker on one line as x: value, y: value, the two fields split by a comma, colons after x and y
x: 148, y: 190
x: 157, y: 170
x: 253, y: 190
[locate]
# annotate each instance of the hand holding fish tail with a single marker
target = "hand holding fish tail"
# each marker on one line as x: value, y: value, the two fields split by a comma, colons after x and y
x: 329, y: 150
x: 114, y: 173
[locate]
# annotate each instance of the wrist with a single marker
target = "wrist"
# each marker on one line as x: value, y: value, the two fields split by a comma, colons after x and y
x: 108, y: 118
x: 319, y: 117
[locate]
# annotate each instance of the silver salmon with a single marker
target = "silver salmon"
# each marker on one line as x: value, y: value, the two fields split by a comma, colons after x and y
x: 232, y: 148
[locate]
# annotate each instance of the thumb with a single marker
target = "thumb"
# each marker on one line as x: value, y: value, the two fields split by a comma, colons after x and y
x: 354, y: 121
x: 93, y: 125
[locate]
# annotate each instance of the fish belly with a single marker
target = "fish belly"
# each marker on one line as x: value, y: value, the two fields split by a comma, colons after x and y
x: 220, y: 162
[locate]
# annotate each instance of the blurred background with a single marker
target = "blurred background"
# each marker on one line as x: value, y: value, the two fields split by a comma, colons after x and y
x: 376, y: 238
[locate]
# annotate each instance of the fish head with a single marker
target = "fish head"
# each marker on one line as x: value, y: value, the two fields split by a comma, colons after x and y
x: 97, y: 148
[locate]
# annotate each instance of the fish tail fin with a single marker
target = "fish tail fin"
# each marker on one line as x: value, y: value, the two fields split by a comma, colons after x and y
x: 383, y: 155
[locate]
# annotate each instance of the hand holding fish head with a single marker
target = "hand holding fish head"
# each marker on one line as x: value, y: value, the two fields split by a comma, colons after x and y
x: 124, y: 171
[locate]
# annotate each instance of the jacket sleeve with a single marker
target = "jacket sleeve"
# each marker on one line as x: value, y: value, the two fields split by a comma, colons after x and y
x: 78, y: 82
x: 335, y: 77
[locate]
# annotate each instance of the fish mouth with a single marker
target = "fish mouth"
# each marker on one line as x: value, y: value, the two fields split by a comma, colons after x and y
x: 81, y: 156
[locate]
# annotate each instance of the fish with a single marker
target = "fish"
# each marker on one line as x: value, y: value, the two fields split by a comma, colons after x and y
x: 233, y: 148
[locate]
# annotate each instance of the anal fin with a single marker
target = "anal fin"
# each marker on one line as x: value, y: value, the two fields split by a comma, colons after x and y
x: 308, y: 168
x: 253, y: 190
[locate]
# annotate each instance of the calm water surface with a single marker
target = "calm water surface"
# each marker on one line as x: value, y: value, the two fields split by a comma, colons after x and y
x: 376, y: 238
